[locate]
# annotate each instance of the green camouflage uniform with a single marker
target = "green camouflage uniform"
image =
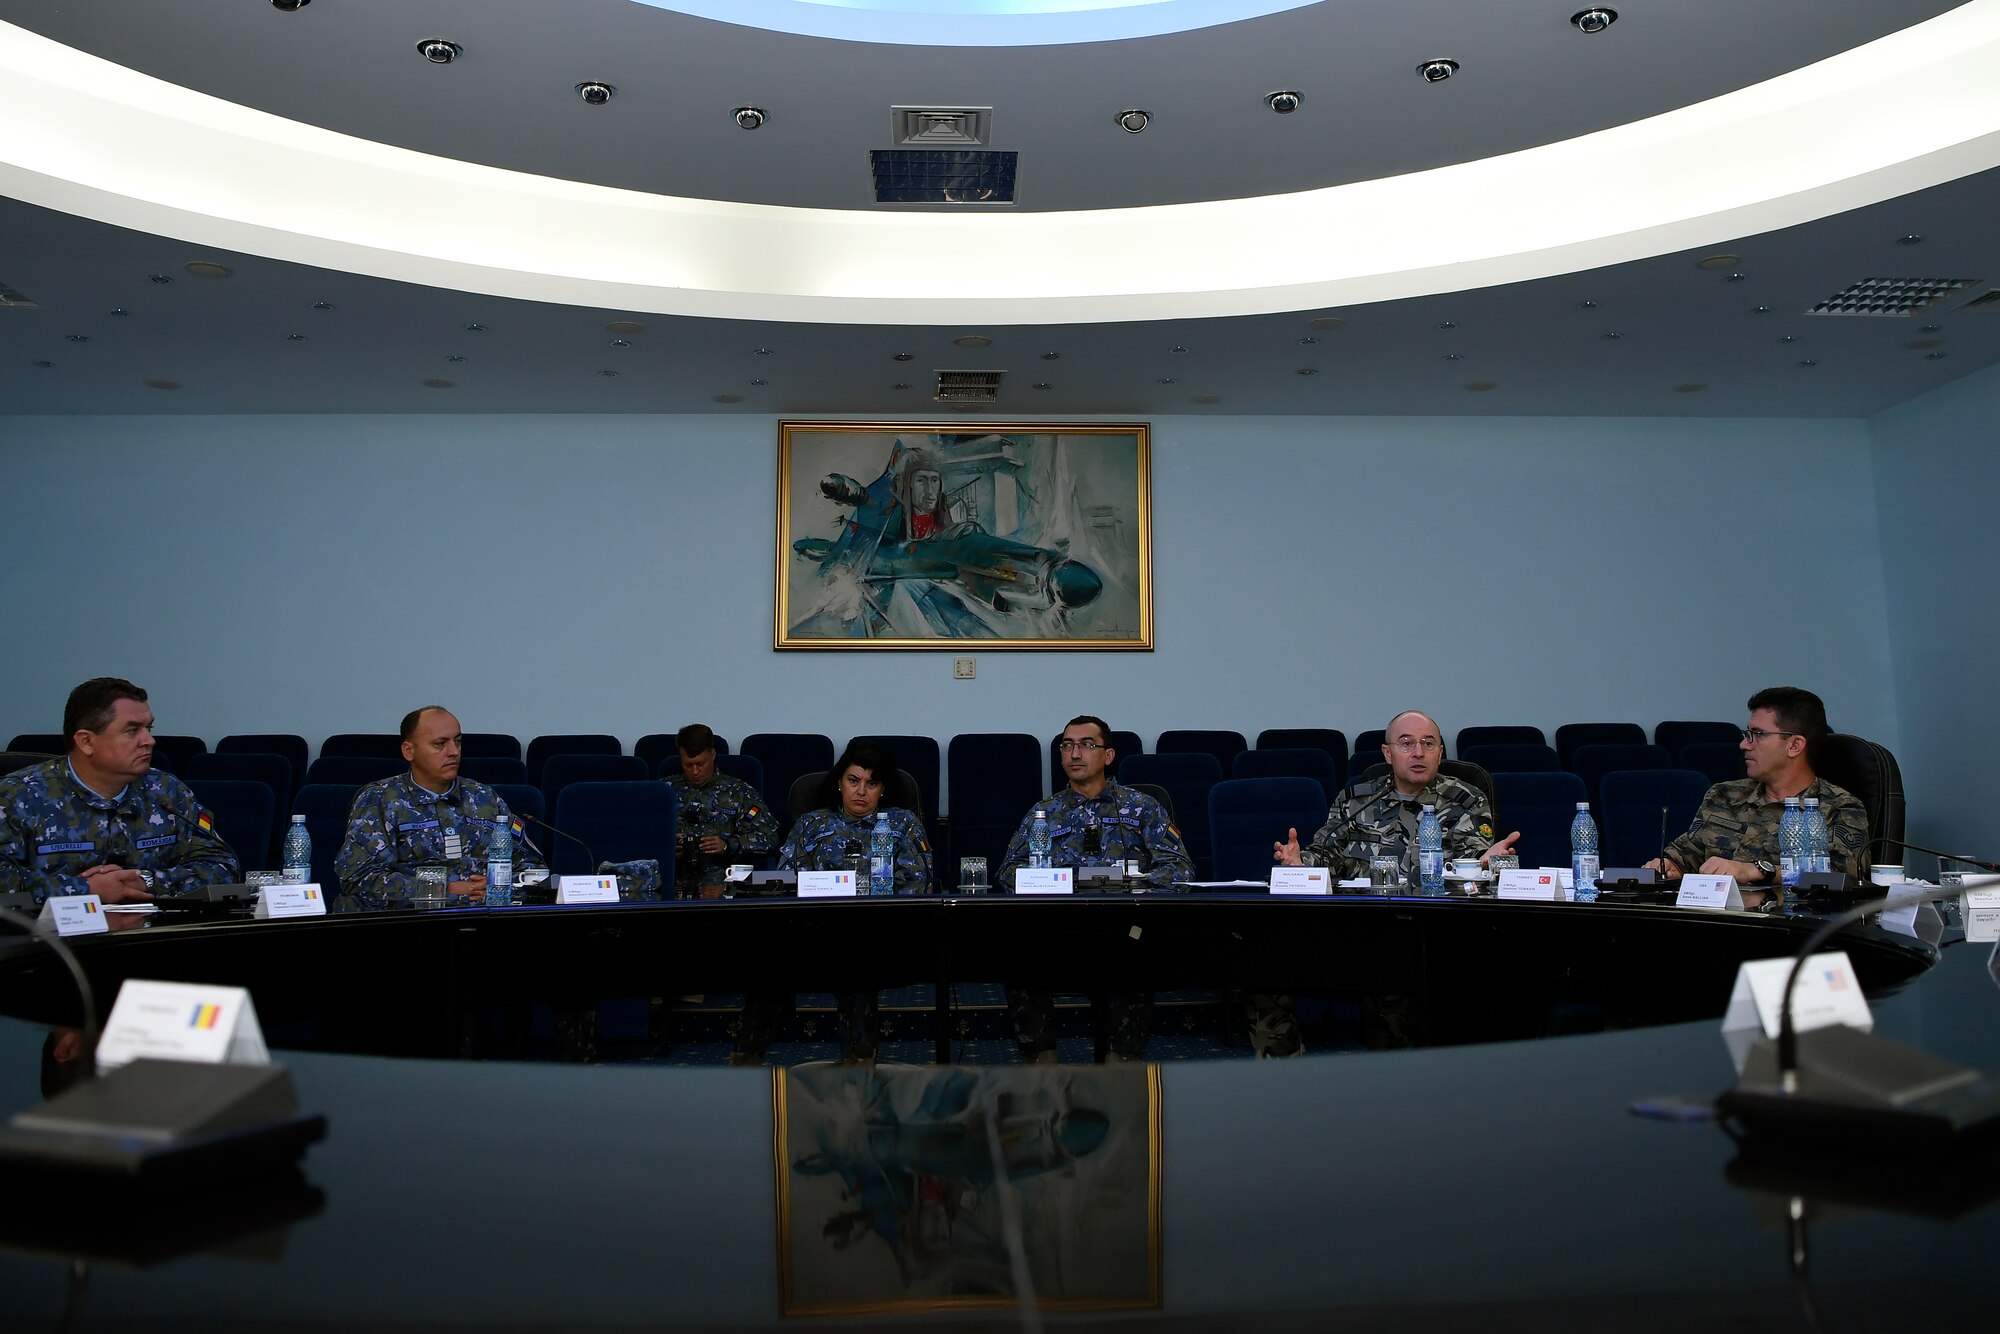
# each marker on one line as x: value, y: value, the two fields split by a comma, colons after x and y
x: 1738, y: 821
x: 728, y: 808
x: 52, y: 827
x: 396, y: 825
x: 1372, y: 814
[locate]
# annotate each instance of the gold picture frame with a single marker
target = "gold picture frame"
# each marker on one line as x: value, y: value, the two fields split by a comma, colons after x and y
x: 889, y: 1199
x: 955, y: 535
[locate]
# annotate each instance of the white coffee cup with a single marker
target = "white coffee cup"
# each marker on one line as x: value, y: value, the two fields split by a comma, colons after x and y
x: 1885, y: 875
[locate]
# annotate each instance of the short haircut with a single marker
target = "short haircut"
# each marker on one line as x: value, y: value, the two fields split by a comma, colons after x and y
x: 1798, y: 711
x: 881, y: 766
x: 415, y: 716
x: 1421, y: 714
x: 91, y: 704
x: 1103, y: 728
x: 694, y: 739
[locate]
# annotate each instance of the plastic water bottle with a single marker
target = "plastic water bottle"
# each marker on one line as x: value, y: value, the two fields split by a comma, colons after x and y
x: 1430, y: 853
x: 882, y: 856
x: 1583, y: 864
x: 298, y: 853
x: 1038, y: 840
x: 500, y: 865
x: 1792, y: 842
x: 1818, y: 855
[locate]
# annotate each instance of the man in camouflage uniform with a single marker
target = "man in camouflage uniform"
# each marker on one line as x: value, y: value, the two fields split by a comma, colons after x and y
x: 101, y: 820
x: 1095, y: 822
x: 1735, y: 831
x: 835, y: 837
x: 1378, y: 815
x: 426, y: 817
x: 721, y: 817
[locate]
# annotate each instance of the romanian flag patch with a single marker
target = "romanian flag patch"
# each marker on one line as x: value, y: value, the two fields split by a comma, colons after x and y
x: 204, y: 1016
x: 205, y: 822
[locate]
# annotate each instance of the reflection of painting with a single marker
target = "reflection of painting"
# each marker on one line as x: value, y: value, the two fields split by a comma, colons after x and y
x: 906, y: 1188
x: 935, y: 536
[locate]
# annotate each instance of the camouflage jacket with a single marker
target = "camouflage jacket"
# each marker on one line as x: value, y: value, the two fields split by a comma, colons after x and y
x: 395, y: 826
x: 1738, y: 822
x: 1371, y: 814
x: 1129, y: 825
x: 828, y: 840
x: 52, y: 827
x: 730, y: 809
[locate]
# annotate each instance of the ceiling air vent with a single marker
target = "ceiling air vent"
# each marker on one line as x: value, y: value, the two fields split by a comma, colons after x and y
x: 940, y: 127
x: 968, y: 387
x: 1989, y: 302
x: 11, y: 298
x: 943, y: 175
x: 1889, y: 296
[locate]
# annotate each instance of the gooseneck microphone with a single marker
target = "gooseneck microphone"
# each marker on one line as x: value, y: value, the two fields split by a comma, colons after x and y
x: 1886, y: 841
x: 1663, y: 842
x: 589, y: 857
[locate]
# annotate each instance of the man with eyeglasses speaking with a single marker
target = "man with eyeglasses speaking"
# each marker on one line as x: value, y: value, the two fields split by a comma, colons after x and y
x: 1380, y: 815
x: 1735, y: 831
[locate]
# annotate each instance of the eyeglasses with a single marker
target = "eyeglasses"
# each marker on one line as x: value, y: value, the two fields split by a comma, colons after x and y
x: 1086, y: 745
x: 1755, y: 734
x: 1411, y: 745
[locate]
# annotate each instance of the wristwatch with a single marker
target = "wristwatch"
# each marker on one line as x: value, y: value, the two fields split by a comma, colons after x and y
x: 147, y: 876
x: 1770, y: 871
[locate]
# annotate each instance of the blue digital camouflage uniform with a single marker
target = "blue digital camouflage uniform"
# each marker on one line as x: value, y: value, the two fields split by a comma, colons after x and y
x: 395, y: 825
x: 728, y: 808
x: 1119, y: 824
x: 1738, y: 821
x: 831, y: 840
x: 52, y: 827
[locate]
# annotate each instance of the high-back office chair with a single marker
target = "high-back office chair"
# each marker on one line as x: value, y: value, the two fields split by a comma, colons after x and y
x: 1516, y: 758
x: 10, y: 760
x: 525, y: 799
x: 569, y: 743
x: 1247, y: 815
x: 325, y: 806
x: 624, y: 821
x: 243, y: 810
x: 1719, y: 761
x: 172, y: 753
x: 785, y: 756
x: 1189, y: 776
x: 380, y: 745
x: 560, y: 770
x: 917, y: 756
x: 354, y: 770
x: 493, y: 770
x: 1591, y: 763
x: 1122, y: 745
x: 41, y: 743
x: 1541, y: 806
x: 746, y: 767
x: 288, y: 744
x: 655, y: 748
x: 1508, y: 735
x: 1674, y: 735
x: 1301, y: 762
x: 1629, y: 806
x: 1870, y: 772
x: 273, y: 771
x: 1571, y: 736
x: 1224, y: 745
x: 901, y: 791
x: 1371, y: 742
x: 489, y: 746
x: 1329, y: 739
x: 996, y: 777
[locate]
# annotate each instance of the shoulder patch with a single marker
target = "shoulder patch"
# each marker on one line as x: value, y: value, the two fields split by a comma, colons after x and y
x: 1485, y: 829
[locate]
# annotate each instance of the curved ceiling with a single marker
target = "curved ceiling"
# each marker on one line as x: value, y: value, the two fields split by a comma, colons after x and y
x: 977, y: 22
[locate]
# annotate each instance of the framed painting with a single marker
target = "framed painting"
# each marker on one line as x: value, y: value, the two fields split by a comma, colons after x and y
x: 951, y: 535
x: 899, y: 1187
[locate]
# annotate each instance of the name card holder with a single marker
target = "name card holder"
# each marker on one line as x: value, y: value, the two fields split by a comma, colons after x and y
x: 1827, y: 993
x: 180, y: 1021
x: 1045, y: 880
x: 586, y: 889
x: 1534, y: 884
x: 1982, y: 914
x: 75, y: 914
x: 827, y: 885
x: 1709, y: 891
x: 290, y: 901
x: 1301, y: 880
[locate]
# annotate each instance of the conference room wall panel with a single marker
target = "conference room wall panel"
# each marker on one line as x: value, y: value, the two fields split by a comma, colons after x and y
x: 614, y: 573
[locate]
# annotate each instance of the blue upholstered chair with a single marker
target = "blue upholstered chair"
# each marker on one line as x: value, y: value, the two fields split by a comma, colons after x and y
x: 288, y: 744
x: 1628, y: 811
x: 1517, y: 758
x: 172, y: 753
x: 1591, y: 763
x: 655, y: 748
x: 918, y: 757
x: 569, y: 743
x: 489, y: 746
x: 45, y: 743
x: 325, y: 806
x: 1329, y: 739
x: 785, y: 757
x: 1541, y: 806
x: 1572, y: 736
x: 1717, y: 761
x: 243, y: 809
x: 1299, y: 762
x: 1122, y: 744
x: 1224, y: 745
x: 1511, y: 735
x: 562, y: 769
x: 354, y: 770
x: 1188, y: 776
x: 1247, y: 815
x: 381, y: 745
x: 493, y: 770
x: 746, y: 767
x: 620, y: 821
x: 273, y: 771
x: 995, y: 778
x: 1674, y: 735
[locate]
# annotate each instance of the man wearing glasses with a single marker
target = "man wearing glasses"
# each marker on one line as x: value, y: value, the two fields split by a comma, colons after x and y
x: 1095, y: 822
x: 1381, y: 814
x: 1735, y: 832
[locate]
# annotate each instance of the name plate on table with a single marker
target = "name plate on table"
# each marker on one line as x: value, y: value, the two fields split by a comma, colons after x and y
x: 290, y: 901
x: 586, y: 889
x: 1301, y: 880
x: 1538, y: 884
x: 827, y: 885
x: 1827, y: 993
x: 75, y: 914
x: 177, y: 1021
x: 1045, y: 880
x: 1982, y: 914
x: 1709, y: 891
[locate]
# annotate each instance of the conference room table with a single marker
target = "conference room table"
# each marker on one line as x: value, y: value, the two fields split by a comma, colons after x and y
x: 1501, y: 1185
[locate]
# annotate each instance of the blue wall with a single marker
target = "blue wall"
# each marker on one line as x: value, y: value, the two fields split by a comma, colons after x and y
x: 1938, y: 478
x: 602, y: 573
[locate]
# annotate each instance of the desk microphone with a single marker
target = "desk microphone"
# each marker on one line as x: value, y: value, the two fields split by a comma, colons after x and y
x: 1885, y: 840
x: 589, y: 857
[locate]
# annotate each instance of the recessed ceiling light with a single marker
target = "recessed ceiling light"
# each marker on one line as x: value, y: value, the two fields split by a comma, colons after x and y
x: 749, y: 118
x: 1177, y: 350
x: 1930, y: 328
x: 295, y: 338
x: 1168, y: 379
x: 595, y: 93
x: 1481, y: 386
x: 1736, y: 277
x: 899, y: 385
x: 1051, y: 356
x: 207, y: 268
x: 727, y: 398
x: 1593, y: 20
x: 290, y: 6
x: 760, y: 351
x: 1132, y: 120
x: 439, y: 52
x: 118, y: 312
x: 1613, y: 336
x: 160, y: 278
x: 1309, y: 341
x: 759, y: 384
x: 972, y: 340
x: 1325, y: 322
x: 1718, y: 262
x: 1910, y: 239
x: 475, y: 328
x: 621, y: 342
x: 1437, y: 71
x: 322, y: 305
x: 607, y: 375
x: 1936, y: 356
x: 77, y: 338
x: 1760, y: 310
x: 163, y: 384
x: 1448, y: 324
x: 904, y: 356
x: 455, y: 357
x: 1208, y: 400
x: 43, y: 365
x: 1308, y: 370
x: 1284, y: 102
x: 1807, y: 364
x: 439, y: 384
x: 625, y: 327
x: 1452, y: 356
x: 1689, y: 388
x: 1789, y: 338
x: 1043, y: 384
x: 1586, y: 305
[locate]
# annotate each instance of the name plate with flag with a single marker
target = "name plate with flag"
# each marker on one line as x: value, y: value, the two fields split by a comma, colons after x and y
x: 290, y: 901
x: 826, y: 885
x: 1301, y: 880
x: 586, y: 889
x: 1982, y: 914
x: 179, y: 1021
x: 1709, y: 891
x: 1827, y: 993
x: 1538, y: 884
x: 1045, y: 880
x: 75, y: 914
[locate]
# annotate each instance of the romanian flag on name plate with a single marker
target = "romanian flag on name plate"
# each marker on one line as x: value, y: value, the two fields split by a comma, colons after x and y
x: 90, y: 907
x: 205, y: 1016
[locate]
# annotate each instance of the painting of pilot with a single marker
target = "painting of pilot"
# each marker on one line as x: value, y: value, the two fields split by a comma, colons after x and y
x: 920, y: 495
